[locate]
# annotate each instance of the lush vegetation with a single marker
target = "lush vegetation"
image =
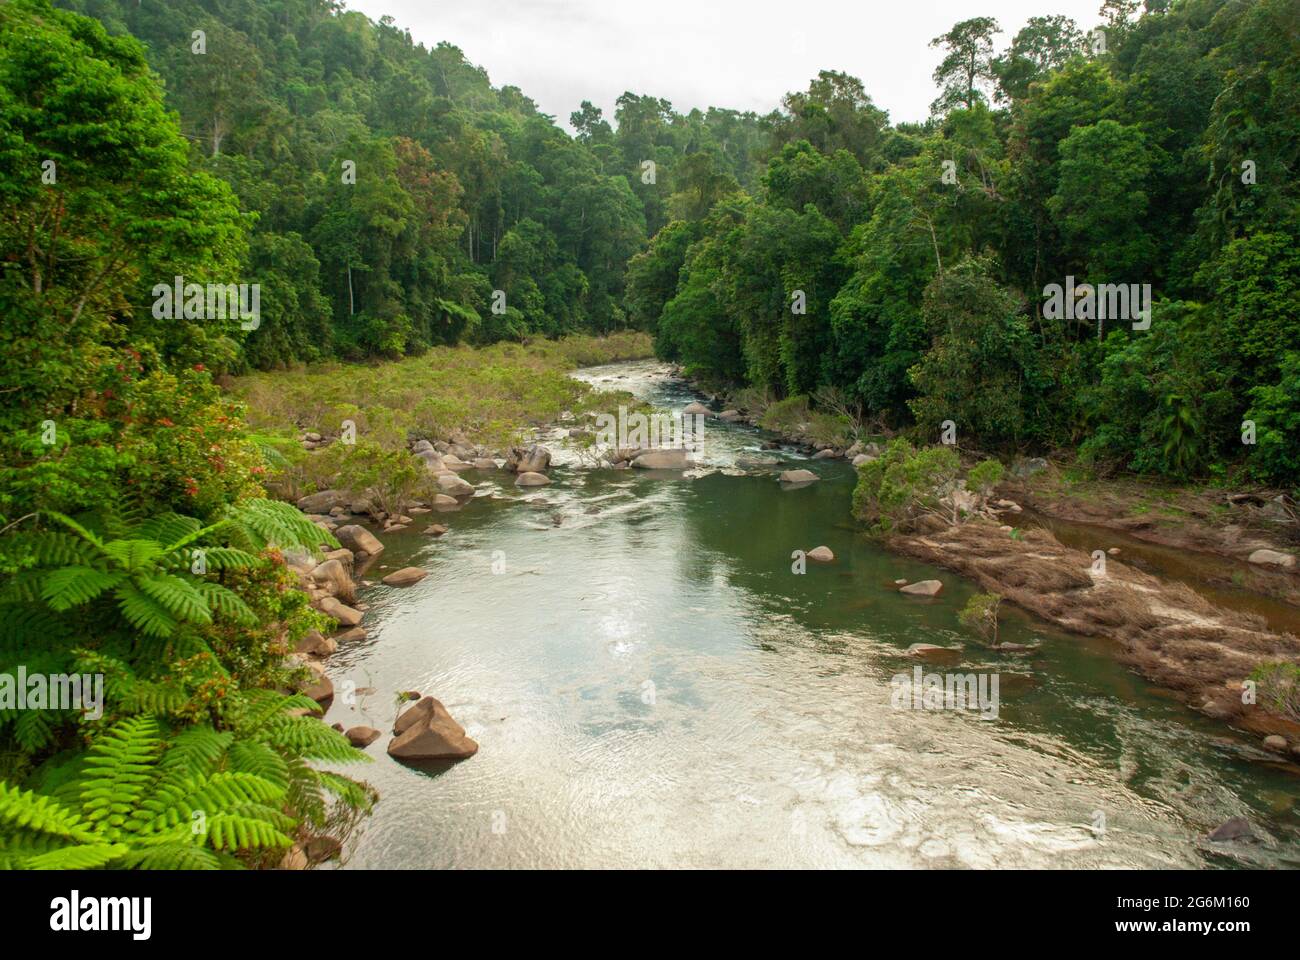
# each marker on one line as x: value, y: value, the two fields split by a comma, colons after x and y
x: 832, y: 270
x: 135, y: 544
x: 907, y: 265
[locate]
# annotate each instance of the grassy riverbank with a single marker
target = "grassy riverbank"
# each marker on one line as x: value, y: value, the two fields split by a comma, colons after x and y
x: 488, y: 394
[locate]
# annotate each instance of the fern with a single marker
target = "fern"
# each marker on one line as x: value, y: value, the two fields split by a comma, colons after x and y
x: 129, y: 809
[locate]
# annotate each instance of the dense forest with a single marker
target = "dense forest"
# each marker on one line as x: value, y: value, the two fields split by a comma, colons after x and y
x: 387, y: 199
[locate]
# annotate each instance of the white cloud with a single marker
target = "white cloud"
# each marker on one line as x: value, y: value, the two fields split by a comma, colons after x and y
x: 695, y: 53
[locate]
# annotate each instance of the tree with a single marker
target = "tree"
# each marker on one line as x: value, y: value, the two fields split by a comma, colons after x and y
x: 981, y: 615
x: 967, y: 62
x: 1042, y: 45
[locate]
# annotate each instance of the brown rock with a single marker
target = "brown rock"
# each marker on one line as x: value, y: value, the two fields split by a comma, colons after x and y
x: 359, y: 540
x: 436, y: 530
x: 924, y: 588
x: 314, y: 645
x: 427, y: 732
x: 821, y: 554
x: 344, y: 614
x: 362, y: 736
x: 406, y: 577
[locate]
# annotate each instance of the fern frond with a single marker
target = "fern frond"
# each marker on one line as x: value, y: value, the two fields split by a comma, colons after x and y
x: 119, y: 770
x: 69, y: 587
x: 195, y: 751
x: 226, y: 602
x: 178, y: 597
x: 30, y: 811
x: 143, y: 613
x: 82, y: 857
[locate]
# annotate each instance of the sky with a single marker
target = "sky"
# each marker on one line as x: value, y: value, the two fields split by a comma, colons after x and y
x: 742, y: 54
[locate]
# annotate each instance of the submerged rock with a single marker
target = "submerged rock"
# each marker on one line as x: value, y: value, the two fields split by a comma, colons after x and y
x: 923, y: 588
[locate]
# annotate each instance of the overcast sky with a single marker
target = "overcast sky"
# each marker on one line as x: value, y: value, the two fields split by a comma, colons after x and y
x: 743, y: 54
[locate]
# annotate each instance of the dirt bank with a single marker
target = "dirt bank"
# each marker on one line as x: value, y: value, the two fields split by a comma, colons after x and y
x: 1168, y: 632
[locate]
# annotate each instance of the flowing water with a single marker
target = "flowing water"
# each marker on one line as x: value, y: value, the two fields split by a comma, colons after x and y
x: 651, y: 685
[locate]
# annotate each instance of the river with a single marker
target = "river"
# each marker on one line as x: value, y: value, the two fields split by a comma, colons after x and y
x: 651, y: 685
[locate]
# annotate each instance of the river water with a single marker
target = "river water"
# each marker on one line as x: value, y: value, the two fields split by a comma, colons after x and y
x: 651, y: 685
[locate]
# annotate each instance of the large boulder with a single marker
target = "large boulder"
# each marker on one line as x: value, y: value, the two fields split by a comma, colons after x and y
x: 455, y: 463
x: 314, y: 645
x: 324, y: 501
x: 534, y: 459
x: 923, y: 588
x: 421, y: 446
x: 406, y: 577
x: 433, y: 462
x: 530, y: 479
x: 696, y: 410
x: 798, y: 476
x: 443, y: 503
x: 821, y: 554
x: 670, y: 459
x: 334, y: 577
x: 1273, y: 558
x: 319, y: 687
x: 341, y: 612
x: 359, y: 540
x: 427, y: 732
x: 862, y: 458
x: 454, y: 486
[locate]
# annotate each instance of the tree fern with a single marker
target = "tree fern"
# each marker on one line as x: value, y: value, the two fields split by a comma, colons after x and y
x: 127, y: 808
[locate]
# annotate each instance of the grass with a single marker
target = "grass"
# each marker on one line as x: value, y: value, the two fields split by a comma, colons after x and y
x: 487, y: 395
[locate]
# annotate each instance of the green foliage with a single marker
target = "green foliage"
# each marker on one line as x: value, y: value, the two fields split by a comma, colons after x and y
x: 139, y: 801
x: 984, y: 476
x: 981, y: 615
x: 903, y: 485
x: 1279, y: 688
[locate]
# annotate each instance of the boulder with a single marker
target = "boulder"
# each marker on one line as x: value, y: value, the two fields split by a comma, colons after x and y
x: 426, y: 731
x: 406, y: 577
x: 529, y: 478
x: 443, y: 503
x: 923, y: 588
x: 421, y: 446
x: 670, y: 459
x: 1273, y: 558
x: 1275, y: 742
x: 319, y: 687
x: 314, y: 645
x: 534, y: 459
x: 826, y: 453
x: 861, y: 458
x: 343, y: 555
x: 485, y: 464
x: 359, y: 540
x: 362, y: 736
x: 435, y: 530
x: 335, y: 579
x: 455, y: 463
x: 821, y: 554
x: 1029, y: 467
x: 1238, y: 828
x: 324, y: 501
x: 339, y: 611
x: 433, y: 462
x: 454, y: 486
x: 696, y: 410
x: 730, y: 416
x: 798, y: 476
x: 348, y: 636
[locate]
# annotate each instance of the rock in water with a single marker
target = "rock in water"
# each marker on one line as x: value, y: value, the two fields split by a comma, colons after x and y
x: 673, y: 459
x: 798, y: 476
x: 407, y: 576
x: 358, y: 539
x: 1273, y: 558
x: 362, y: 736
x: 453, y: 486
x: 924, y: 588
x: 696, y: 410
x: 1238, y: 828
x: 534, y: 459
x: 339, y: 611
x: 427, y: 732
x: 821, y: 554
x: 529, y: 478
